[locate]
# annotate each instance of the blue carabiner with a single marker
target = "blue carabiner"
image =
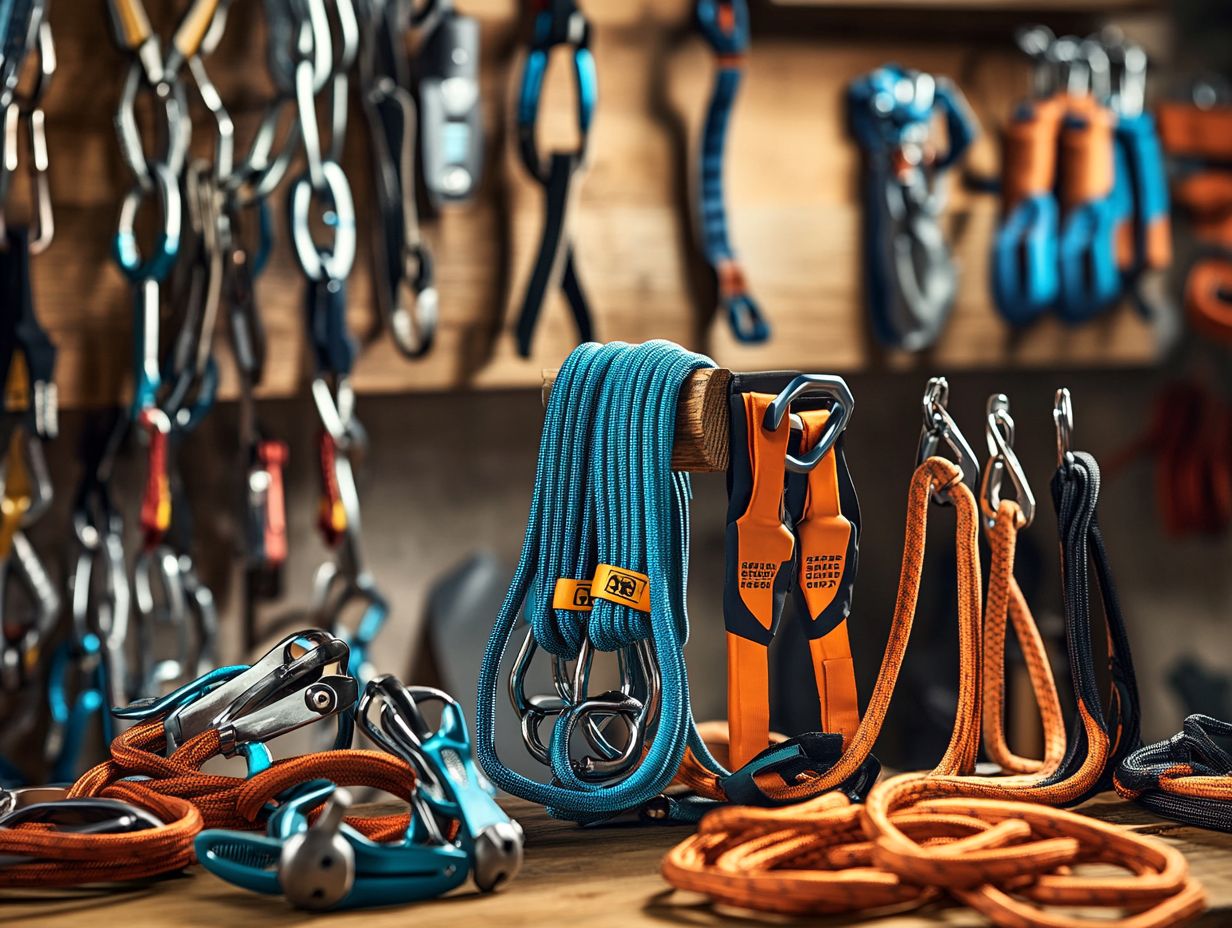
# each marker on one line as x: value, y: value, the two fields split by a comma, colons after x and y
x: 72, y: 718
x: 376, y: 874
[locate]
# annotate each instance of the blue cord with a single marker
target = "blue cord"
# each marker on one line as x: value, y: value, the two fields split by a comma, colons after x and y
x: 604, y: 493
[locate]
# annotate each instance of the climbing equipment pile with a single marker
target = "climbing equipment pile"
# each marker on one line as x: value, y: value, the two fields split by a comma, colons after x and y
x: 910, y: 281
x: 1085, y: 209
x: 724, y: 24
x: 142, y: 812
x: 555, y: 23
x: 1187, y: 778
x: 1195, y: 136
x: 973, y: 838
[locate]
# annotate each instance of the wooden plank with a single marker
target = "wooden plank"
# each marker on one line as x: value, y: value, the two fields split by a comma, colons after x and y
x: 792, y: 191
x: 600, y: 878
x: 702, y: 420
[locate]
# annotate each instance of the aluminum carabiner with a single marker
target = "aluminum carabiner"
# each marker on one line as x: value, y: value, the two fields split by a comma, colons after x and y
x: 1063, y: 419
x: 940, y: 429
x: 450, y: 783
x: 1002, y: 461
x: 842, y: 405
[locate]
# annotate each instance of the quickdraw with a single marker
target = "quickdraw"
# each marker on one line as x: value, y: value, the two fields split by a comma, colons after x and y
x: 401, y: 257
x: 725, y: 26
x: 555, y: 23
x: 961, y: 834
x: 909, y: 277
x: 1187, y: 778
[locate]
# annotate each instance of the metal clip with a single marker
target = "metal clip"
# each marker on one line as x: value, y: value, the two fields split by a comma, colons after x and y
x: 449, y: 779
x: 840, y: 415
x: 1002, y: 461
x: 940, y: 427
x: 1063, y: 419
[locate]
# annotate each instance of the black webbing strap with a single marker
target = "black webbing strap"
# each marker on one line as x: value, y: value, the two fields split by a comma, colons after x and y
x: 1195, y: 751
x: 1075, y: 495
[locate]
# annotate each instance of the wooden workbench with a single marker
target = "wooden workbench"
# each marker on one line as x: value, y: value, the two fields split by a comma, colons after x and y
x: 574, y: 876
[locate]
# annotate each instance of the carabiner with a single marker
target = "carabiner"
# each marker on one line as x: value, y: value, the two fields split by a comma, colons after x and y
x: 1063, y: 419
x: 940, y: 428
x: 842, y: 405
x: 1003, y: 461
x: 449, y: 780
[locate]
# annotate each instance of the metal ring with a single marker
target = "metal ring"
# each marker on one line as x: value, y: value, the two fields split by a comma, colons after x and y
x: 317, y: 263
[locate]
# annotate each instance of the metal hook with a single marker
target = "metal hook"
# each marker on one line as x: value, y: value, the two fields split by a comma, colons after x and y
x: 939, y: 427
x: 1063, y: 418
x: 840, y: 414
x: 1003, y: 461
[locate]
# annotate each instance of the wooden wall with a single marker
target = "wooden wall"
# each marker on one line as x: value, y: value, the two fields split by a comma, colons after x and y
x: 792, y: 198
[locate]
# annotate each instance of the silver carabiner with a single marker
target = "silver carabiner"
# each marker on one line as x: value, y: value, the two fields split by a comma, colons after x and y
x: 1063, y: 419
x: 1002, y: 461
x: 840, y: 414
x: 940, y: 428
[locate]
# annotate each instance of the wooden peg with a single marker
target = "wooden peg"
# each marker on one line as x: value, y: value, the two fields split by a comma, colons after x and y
x: 702, y: 420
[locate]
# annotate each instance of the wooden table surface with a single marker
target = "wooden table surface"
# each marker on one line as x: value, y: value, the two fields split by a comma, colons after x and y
x: 574, y: 876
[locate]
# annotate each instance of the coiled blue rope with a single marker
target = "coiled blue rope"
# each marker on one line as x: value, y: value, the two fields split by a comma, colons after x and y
x: 604, y: 493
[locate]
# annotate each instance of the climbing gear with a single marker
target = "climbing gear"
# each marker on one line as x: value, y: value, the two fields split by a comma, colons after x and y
x: 451, y: 786
x: 910, y: 280
x: 603, y: 568
x: 451, y: 114
x: 231, y: 711
x: 1187, y: 778
x: 401, y: 257
x: 950, y: 830
x: 724, y: 24
x: 455, y: 828
x: 127, y: 832
x: 789, y: 535
x: 555, y: 23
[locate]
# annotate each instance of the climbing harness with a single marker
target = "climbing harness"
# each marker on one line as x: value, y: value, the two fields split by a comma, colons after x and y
x: 401, y: 256
x: 789, y: 536
x: 1187, y: 778
x: 555, y: 23
x: 951, y: 831
x: 724, y: 24
x: 909, y: 277
x: 451, y: 115
x: 334, y: 864
x: 603, y: 567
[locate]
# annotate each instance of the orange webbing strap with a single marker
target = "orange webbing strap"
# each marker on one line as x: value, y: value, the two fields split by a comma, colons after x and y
x: 763, y: 548
x: 67, y: 859
x: 932, y: 475
x: 826, y: 543
x: 1005, y: 597
x: 1029, y: 152
x: 1087, y: 161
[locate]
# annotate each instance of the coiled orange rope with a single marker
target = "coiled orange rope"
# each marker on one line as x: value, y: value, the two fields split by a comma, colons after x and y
x: 919, y: 835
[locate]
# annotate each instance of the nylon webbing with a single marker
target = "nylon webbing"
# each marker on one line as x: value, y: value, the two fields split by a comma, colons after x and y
x: 1187, y: 778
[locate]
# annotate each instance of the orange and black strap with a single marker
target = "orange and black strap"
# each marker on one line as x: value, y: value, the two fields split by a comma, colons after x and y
x: 819, y: 503
x: 1187, y: 778
x: 1029, y: 152
x: 760, y: 551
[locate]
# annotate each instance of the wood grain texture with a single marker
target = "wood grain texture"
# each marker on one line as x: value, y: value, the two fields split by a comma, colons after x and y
x: 597, y: 878
x: 791, y: 186
x: 702, y: 420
